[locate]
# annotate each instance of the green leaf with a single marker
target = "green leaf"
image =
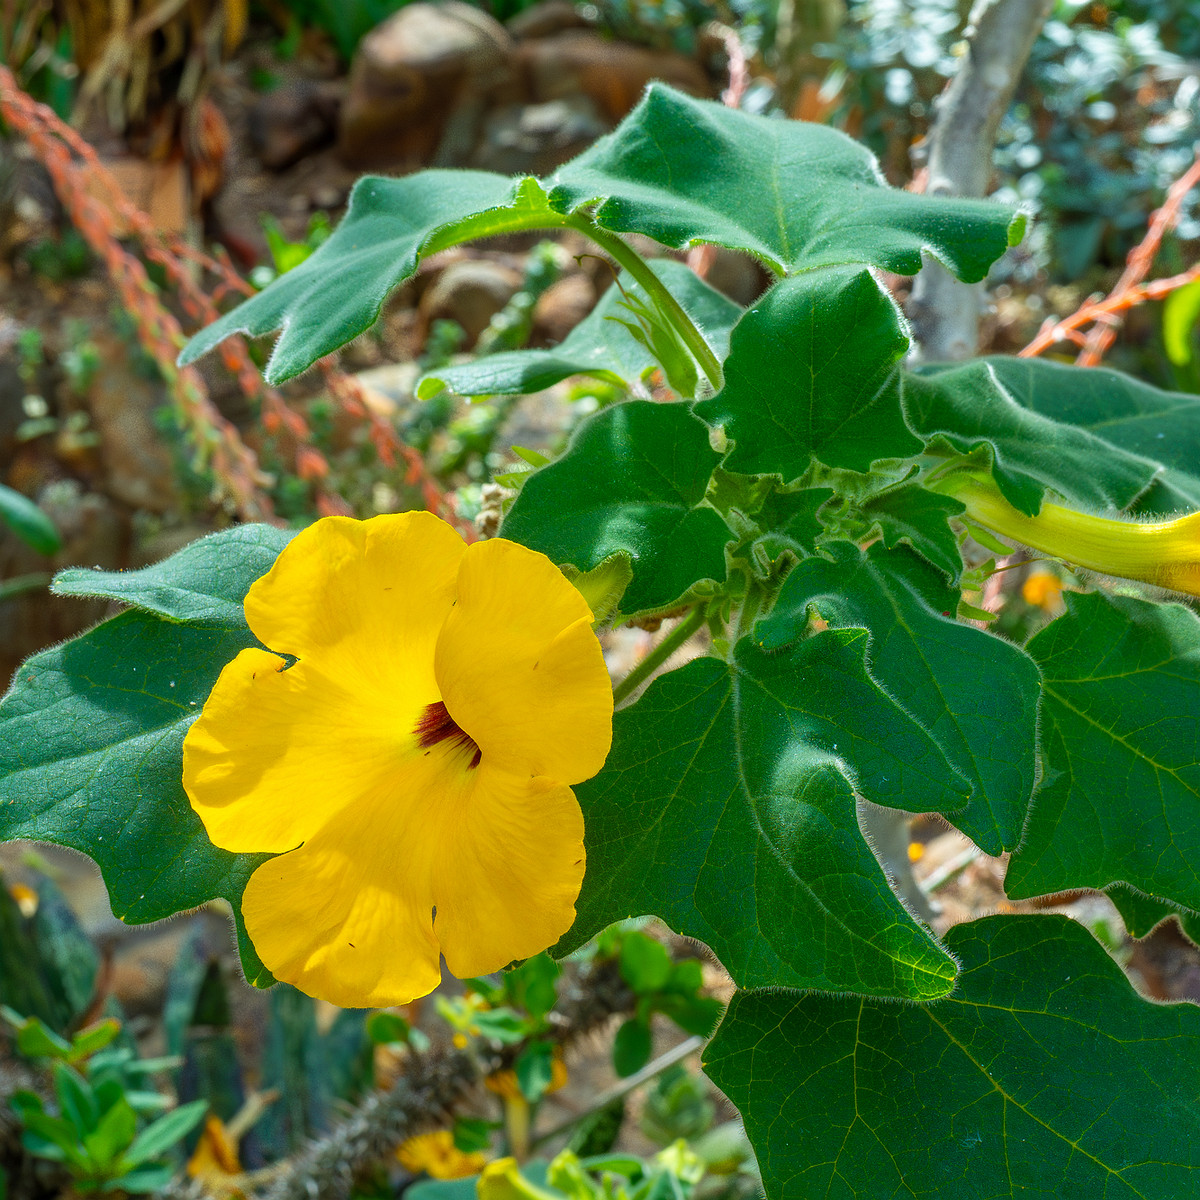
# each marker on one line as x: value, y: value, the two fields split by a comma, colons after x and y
x: 1180, y: 312
x: 976, y: 694
x: 28, y: 521
x: 202, y: 584
x: 812, y: 374
x: 91, y: 746
x: 792, y: 525
x: 632, y: 1047
x: 912, y: 515
x: 1142, y: 913
x: 970, y: 407
x: 1121, y: 798
x: 645, y: 963
x: 534, y: 1069
x: 115, y: 1131
x: 1044, y: 1076
x: 632, y: 479
x: 726, y: 808
x: 599, y: 346
x: 170, y: 1128
x: 795, y: 195
x: 1124, y: 414
x: 533, y: 986
x: 678, y: 170
x: 338, y: 291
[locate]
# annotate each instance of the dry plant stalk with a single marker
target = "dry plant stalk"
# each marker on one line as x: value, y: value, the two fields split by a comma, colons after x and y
x: 1104, y: 315
x: 98, y: 207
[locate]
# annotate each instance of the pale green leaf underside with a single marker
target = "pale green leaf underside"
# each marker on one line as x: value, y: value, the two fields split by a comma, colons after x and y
x: 678, y: 170
x: 727, y: 809
x: 203, y: 584
x: 1044, y: 1076
x: 795, y: 195
x: 1125, y: 414
x: 1121, y: 737
x: 598, y: 346
x: 970, y: 406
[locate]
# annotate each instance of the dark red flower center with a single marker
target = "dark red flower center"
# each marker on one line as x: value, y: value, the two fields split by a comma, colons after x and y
x: 437, y: 725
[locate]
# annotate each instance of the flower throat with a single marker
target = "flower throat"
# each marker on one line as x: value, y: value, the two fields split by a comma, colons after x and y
x: 437, y: 725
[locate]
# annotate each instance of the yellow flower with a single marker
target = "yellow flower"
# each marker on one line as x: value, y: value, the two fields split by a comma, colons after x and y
x: 411, y: 767
x: 1164, y: 553
x: 436, y: 1155
x: 1043, y: 589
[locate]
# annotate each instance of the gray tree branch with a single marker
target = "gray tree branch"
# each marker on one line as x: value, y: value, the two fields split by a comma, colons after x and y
x: 999, y: 36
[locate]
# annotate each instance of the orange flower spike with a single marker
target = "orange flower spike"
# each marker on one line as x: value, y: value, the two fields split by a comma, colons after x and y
x: 411, y: 769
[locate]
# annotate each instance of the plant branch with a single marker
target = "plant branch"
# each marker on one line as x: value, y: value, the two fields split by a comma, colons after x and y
x: 999, y: 37
x: 627, y: 257
x: 1129, y: 292
x: 659, y: 655
x: 602, y: 1101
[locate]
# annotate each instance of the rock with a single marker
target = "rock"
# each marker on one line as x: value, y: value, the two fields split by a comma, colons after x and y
x: 547, y: 18
x: 137, y: 463
x: 420, y: 84
x: 612, y: 74
x: 560, y: 308
x: 736, y: 275
x: 471, y: 292
x: 292, y: 121
x: 534, y: 139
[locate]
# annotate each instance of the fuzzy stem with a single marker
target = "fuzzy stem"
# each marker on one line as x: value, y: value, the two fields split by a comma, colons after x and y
x: 659, y: 655
x: 627, y: 257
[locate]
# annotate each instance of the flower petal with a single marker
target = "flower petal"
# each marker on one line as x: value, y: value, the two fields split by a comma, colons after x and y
x: 520, y: 669
x: 277, y: 753
x: 509, y: 872
x: 363, y: 597
x: 349, y: 916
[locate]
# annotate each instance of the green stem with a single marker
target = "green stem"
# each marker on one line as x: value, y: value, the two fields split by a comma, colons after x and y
x: 670, y: 308
x: 659, y: 655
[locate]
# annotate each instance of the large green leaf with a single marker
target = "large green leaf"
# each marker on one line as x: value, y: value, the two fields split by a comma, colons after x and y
x: 599, y: 345
x: 632, y: 479
x: 727, y: 808
x: 812, y: 374
x: 91, y: 752
x: 976, y: 694
x: 970, y: 408
x: 1121, y: 739
x: 1141, y: 913
x: 338, y: 292
x: 1045, y: 1076
x: 202, y: 584
x: 793, y: 194
x: 677, y: 169
x: 1123, y: 412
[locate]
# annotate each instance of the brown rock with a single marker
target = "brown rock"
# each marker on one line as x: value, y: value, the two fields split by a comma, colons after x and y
x: 547, y: 18
x: 470, y: 292
x: 611, y: 74
x: 560, y: 308
x: 137, y: 464
x: 292, y: 121
x: 420, y: 83
x: 534, y: 139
